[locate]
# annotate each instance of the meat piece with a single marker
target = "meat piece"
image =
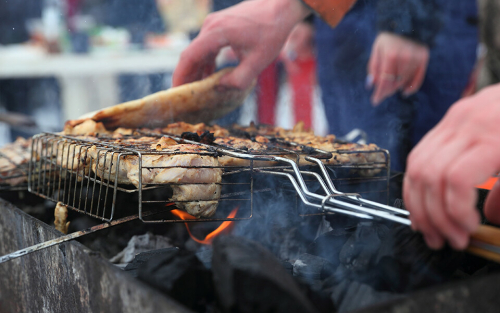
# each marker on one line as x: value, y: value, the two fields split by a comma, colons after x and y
x: 200, y: 101
x: 198, y: 174
x: 61, y: 215
x: 13, y: 159
x: 178, y: 128
x: 201, y: 194
x: 87, y: 127
x: 248, y: 146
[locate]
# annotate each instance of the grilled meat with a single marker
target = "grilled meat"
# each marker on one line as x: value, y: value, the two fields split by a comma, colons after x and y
x: 61, y: 215
x: 12, y: 159
x: 184, y: 164
x: 200, y: 101
x: 178, y: 128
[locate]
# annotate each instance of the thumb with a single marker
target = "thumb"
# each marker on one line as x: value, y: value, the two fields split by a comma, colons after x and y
x: 244, y: 74
x: 492, y: 204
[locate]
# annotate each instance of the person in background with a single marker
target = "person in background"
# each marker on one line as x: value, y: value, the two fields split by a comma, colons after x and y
x: 489, y: 69
x: 393, y: 68
x: 391, y: 44
x: 23, y: 99
x: 139, y: 17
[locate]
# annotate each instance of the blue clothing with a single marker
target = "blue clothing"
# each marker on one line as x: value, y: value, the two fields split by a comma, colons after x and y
x: 397, y: 123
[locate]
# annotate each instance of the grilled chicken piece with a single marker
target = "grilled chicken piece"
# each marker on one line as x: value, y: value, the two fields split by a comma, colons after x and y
x: 185, y: 194
x: 88, y: 128
x: 61, y: 215
x: 327, y: 143
x: 178, y: 128
x: 12, y: 157
x: 248, y: 146
x: 198, y: 173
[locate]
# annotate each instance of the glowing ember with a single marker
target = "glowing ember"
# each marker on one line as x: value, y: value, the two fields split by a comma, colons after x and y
x: 225, y: 227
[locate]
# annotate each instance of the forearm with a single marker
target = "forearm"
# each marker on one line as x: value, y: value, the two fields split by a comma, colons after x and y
x: 287, y: 12
x: 331, y: 11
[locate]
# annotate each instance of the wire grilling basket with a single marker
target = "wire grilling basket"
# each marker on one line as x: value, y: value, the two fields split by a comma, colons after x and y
x: 91, y: 175
x: 14, y: 165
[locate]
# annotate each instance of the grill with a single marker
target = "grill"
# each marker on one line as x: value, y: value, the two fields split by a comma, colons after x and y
x: 13, y: 176
x: 63, y: 169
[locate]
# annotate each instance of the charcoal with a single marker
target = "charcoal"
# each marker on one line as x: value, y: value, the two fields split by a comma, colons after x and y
x: 352, y: 295
x: 140, y: 244
x: 362, y: 247
x: 312, y: 267
x: 422, y: 266
x: 475, y: 294
x: 329, y: 244
x: 179, y: 274
x: 248, y: 278
x: 141, y: 258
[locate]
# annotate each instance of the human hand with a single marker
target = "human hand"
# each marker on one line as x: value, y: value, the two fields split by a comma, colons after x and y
x: 396, y: 63
x: 255, y: 30
x: 462, y: 151
x: 299, y: 46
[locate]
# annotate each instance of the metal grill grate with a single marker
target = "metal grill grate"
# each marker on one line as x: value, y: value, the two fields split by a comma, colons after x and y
x: 84, y: 173
x: 13, y: 176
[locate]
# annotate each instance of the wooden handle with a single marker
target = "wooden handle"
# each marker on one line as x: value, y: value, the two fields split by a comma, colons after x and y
x: 487, y: 234
x: 492, y: 256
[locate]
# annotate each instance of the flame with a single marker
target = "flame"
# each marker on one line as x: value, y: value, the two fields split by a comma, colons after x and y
x: 225, y: 227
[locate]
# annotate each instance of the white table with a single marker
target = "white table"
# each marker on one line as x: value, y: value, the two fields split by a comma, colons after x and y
x: 88, y: 82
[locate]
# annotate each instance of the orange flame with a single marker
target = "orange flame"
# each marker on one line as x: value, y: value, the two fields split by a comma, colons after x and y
x: 225, y: 227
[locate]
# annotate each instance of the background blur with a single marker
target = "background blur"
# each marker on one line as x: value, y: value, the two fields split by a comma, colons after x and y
x: 60, y: 59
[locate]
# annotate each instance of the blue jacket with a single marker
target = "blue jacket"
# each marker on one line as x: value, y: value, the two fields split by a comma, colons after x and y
x: 398, y: 123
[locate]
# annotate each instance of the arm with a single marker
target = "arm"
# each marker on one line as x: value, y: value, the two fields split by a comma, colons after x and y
x: 400, y: 53
x: 256, y: 31
x: 463, y: 150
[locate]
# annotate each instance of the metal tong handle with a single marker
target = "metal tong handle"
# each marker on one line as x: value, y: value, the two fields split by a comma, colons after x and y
x: 376, y: 212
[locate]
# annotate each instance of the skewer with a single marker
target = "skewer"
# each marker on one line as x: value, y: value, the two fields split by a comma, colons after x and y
x: 71, y: 236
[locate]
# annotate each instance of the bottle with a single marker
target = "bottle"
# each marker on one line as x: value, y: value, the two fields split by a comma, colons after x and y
x: 53, y: 24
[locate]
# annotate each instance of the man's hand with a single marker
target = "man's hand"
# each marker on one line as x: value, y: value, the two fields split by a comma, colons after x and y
x: 462, y: 151
x: 396, y: 63
x: 299, y: 46
x: 256, y: 31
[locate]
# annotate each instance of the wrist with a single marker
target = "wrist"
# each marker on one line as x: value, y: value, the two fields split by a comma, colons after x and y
x: 290, y: 12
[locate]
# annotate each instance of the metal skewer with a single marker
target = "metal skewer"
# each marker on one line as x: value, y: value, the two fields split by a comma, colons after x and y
x: 71, y: 236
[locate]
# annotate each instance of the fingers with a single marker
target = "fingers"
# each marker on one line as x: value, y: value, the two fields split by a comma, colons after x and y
x: 416, y: 76
x: 385, y: 81
x: 425, y: 191
x: 492, y: 204
x: 449, y: 194
x: 420, y: 220
x: 373, y: 67
x: 244, y: 74
x: 442, y: 220
x: 198, y: 60
x: 396, y: 64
